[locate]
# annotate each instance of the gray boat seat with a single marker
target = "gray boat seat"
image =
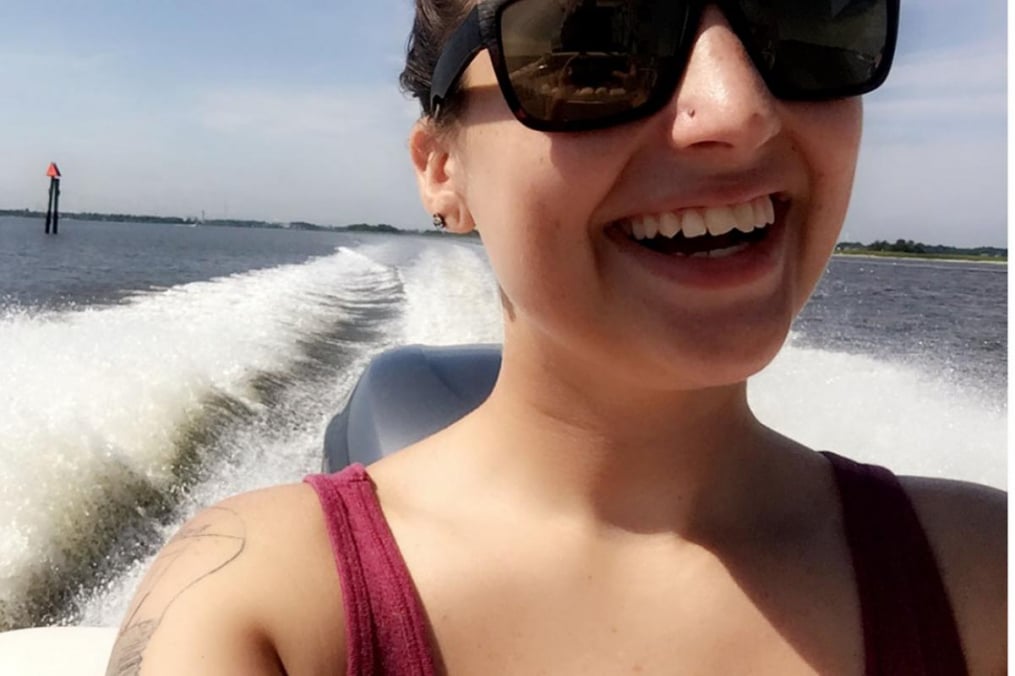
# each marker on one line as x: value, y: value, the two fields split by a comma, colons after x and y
x: 405, y: 395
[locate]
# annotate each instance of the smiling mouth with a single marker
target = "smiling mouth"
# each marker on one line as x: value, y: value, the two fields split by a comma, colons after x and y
x: 712, y: 232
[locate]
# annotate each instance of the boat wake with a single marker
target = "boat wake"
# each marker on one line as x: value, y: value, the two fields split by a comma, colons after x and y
x: 117, y: 415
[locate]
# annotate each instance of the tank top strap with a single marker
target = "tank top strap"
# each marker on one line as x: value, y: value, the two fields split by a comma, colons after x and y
x: 386, y: 628
x: 908, y: 622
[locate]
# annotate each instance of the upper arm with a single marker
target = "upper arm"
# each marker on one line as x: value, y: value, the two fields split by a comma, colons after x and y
x: 220, y: 597
x: 967, y: 526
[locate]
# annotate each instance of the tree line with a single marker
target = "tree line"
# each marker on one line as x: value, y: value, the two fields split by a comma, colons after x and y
x: 908, y: 246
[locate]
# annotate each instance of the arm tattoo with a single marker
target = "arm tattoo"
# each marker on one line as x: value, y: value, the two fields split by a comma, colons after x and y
x: 141, y: 624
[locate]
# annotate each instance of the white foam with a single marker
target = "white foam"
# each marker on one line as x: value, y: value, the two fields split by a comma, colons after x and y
x: 451, y: 297
x: 913, y: 420
x: 88, y: 395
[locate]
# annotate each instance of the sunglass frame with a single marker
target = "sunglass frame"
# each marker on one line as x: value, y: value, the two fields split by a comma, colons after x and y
x: 481, y: 30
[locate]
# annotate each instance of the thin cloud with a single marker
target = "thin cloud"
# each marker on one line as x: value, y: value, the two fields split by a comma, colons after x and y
x: 932, y: 165
x: 939, y: 91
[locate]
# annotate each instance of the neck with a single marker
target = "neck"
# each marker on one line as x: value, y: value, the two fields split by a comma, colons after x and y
x: 575, y: 441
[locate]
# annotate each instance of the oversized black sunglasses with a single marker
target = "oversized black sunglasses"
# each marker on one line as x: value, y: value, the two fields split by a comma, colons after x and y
x: 573, y: 65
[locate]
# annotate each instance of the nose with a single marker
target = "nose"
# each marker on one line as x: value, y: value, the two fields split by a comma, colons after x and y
x: 722, y: 105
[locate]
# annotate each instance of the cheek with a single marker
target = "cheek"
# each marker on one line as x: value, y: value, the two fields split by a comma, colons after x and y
x: 509, y: 193
x: 503, y: 169
x: 508, y: 165
x: 829, y: 141
x: 829, y: 137
x: 521, y: 192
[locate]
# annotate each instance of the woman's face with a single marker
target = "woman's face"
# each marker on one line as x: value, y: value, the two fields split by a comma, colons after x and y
x: 557, y: 213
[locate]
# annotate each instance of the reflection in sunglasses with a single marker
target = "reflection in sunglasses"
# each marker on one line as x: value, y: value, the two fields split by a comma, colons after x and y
x: 562, y: 83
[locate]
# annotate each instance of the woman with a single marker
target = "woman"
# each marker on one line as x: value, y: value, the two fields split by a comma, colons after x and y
x: 614, y: 507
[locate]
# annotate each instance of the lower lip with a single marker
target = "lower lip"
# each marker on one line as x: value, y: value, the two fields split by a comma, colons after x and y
x: 740, y: 269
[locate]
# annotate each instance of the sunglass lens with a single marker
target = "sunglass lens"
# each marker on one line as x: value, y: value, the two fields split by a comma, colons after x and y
x: 585, y: 61
x: 813, y: 49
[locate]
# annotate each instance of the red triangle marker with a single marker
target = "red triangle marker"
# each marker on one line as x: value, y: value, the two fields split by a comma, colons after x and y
x: 53, y: 171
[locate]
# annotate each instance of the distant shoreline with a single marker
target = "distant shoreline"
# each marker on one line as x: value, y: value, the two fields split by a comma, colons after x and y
x: 177, y: 220
x: 995, y: 255
x: 943, y: 258
x: 379, y: 228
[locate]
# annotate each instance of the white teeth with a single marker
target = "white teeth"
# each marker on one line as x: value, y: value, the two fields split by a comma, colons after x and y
x: 744, y: 215
x: 638, y: 229
x: 720, y: 221
x: 720, y: 253
x: 669, y: 225
x: 651, y: 227
x: 728, y: 251
x: 764, y: 211
x: 694, y: 224
x: 715, y: 221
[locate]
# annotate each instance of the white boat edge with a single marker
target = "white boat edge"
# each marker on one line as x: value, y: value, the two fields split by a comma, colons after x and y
x: 53, y: 651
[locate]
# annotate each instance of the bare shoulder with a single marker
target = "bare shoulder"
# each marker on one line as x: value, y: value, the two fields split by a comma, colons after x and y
x: 233, y: 590
x: 967, y: 525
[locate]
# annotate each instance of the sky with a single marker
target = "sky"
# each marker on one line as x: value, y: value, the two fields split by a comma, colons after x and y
x: 289, y: 110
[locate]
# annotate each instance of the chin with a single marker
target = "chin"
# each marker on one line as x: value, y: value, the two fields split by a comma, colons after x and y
x: 710, y: 371
x: 710, y: 359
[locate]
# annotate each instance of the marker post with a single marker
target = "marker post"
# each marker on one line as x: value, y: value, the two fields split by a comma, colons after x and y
x: 53, y: 211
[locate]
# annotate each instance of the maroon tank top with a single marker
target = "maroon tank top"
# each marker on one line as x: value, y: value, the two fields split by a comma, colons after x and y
x: 387, y: 633
x: 908, y: 623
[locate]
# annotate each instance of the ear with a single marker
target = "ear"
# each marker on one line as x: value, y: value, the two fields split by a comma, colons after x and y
x: 440, y: 176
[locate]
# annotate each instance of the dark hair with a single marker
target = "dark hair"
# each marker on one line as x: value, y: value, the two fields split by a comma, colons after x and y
x: 435, y: 21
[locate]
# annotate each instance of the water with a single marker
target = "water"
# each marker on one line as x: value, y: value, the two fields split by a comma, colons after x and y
x: 151, y: 370
x: 101, y: 263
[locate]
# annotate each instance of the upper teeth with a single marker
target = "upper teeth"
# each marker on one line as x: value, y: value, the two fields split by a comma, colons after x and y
x: 715, y: 221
